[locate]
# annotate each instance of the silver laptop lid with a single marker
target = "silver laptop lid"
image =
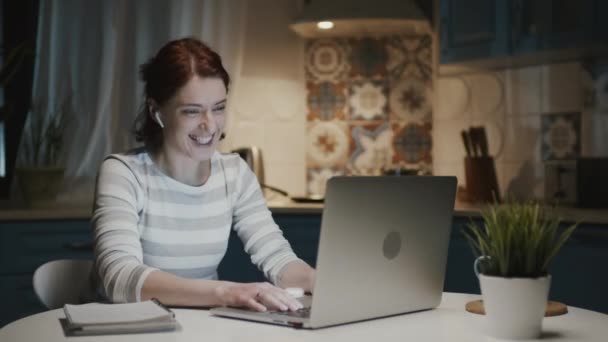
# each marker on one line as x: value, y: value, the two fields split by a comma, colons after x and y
x: 383, y: 247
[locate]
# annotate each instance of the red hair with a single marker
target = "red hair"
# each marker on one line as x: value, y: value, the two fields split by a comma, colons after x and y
x: 164, y: 74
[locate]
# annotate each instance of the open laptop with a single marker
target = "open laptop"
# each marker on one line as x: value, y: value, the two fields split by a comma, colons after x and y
x: 382, y: 251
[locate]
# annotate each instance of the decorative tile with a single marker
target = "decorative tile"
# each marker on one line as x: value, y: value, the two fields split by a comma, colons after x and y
x: 370, y: 105
x: 317, y: 179
x: 411, y: 100
x: 368, y: 58
x: 328, y: 144
x: 373, y: 149
x: 326, y: 101
x: 410, y: 55
x: 326, y: 60
x: 368, y: 100
x: 413, y: 143
x: 561, y: 135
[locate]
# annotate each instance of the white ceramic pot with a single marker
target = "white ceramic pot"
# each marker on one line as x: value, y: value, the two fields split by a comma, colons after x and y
x: 514, y: 307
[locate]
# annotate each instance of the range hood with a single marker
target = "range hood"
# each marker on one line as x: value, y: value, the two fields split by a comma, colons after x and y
x: 347, y: 18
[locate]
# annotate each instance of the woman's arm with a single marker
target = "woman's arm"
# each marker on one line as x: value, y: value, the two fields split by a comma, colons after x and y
x: 297, y: 274
x: 119, y: 257
x: 173, y: 290
x: 118, y: 251
x: 177, y: 291
x: 261, y: 236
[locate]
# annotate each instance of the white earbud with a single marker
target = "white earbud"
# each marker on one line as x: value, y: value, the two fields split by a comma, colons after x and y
x: 160, y: 122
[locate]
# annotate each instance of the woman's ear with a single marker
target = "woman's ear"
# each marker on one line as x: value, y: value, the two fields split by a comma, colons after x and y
x: 152, y: 106
x: 158, y: 120
x: 154, y: 112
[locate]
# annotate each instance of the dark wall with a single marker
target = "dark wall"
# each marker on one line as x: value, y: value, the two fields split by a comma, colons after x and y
x: 19, y: 25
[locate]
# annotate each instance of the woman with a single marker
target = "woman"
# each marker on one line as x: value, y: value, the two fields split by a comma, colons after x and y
x: 163, y: 213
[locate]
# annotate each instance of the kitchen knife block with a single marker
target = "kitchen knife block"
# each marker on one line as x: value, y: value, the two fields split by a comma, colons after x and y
x: 480, y: 175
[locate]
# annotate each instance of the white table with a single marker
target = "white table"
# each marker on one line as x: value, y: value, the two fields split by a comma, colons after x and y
x: 449, y: 322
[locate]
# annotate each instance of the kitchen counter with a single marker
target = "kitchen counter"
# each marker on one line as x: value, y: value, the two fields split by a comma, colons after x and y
x: 284, y: 206
x: 594, y: 216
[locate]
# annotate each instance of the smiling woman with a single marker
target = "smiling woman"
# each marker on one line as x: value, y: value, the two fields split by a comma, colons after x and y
x: 179, y: 64
x: 163, y: 212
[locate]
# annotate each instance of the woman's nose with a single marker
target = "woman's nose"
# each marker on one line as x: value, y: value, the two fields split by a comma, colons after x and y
x: 207, y: 120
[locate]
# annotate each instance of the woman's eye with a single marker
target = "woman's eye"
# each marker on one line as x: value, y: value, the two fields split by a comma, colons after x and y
x: 191, y: 112
x: 219, y: 109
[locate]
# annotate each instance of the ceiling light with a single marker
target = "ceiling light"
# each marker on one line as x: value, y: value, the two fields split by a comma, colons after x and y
x: 359, y: 17
x: 325, y: 25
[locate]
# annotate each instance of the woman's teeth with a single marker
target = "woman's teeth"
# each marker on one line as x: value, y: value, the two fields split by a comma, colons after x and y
x: 202, y: 140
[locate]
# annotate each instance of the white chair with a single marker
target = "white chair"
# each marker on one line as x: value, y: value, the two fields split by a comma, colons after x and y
x: 60, y: 282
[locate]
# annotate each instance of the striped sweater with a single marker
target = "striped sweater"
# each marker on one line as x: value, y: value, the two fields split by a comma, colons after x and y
x: 144, y: 220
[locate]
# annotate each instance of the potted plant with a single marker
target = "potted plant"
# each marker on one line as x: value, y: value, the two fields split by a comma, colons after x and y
x: 514, y: 247
x: 40, y: 171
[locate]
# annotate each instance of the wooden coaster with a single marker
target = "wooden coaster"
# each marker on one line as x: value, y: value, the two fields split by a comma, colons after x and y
x: 553, y: 308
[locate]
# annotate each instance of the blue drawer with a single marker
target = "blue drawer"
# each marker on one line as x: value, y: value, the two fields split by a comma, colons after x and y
x: 26, y: 245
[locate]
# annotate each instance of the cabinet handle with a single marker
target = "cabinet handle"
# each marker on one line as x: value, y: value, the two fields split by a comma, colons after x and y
x: 80, y: 246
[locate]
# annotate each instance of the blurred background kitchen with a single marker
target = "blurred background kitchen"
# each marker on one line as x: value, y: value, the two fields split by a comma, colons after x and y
x: 354, y: 99
x: 510, y: 96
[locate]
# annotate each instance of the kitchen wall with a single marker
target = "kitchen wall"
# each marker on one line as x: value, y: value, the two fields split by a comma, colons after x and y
x: 324, y: 107
x: 268, y: 102
x: 534, y: 113
x: 272, y: 109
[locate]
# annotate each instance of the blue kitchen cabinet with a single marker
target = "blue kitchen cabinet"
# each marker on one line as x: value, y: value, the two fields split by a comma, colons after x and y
x: 18, y: 298
x: 578, y: 276
x: 601, y: 34
x: 25, y: 245
x: 473, y: 29
x: 487, y: 29
x: 538, y: 25
x: 459, y: 275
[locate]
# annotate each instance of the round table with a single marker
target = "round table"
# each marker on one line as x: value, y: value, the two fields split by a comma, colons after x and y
x: 449, y: 322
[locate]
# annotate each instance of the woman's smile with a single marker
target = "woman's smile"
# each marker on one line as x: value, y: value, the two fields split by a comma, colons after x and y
x: 202, y: 140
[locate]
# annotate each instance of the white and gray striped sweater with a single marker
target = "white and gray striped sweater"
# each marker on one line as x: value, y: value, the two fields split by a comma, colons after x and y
x: 145, y: 220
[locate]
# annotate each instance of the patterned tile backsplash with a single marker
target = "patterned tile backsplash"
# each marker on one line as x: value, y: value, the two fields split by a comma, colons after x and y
x: 532, y: 114
x: 561, y: 136
x: 370, y: 106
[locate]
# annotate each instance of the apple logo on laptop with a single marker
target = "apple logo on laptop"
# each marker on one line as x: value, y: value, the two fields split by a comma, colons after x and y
x: 392, y: 245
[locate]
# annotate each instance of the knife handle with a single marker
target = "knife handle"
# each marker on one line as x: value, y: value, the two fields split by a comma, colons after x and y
x: 483, y: 141
x: 474, y: 140
x: 466, y: 141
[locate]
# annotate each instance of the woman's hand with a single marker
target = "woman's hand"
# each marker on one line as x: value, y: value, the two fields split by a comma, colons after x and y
x: 256, y: 296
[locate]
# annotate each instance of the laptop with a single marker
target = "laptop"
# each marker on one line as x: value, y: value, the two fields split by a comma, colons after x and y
x: 382, y: 251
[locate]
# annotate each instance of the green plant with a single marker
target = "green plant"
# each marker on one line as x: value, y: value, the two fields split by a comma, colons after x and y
x: 517, y: 239
x: 44, y: 133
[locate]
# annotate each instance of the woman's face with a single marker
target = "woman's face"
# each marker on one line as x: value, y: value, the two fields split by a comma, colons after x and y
x: 194, y: 118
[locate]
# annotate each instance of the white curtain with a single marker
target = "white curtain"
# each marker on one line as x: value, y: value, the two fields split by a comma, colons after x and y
x: 93, y: 50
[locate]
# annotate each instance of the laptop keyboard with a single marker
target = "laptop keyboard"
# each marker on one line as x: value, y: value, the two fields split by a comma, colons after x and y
x: 301, y: 313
